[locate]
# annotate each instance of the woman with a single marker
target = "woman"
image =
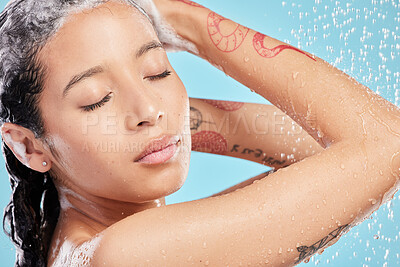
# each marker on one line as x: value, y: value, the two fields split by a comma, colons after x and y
x: 89, y: 73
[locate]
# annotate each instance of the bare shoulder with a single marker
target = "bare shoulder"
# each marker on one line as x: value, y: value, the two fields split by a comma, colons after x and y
x: 72, y: 244
x: 172, y: 235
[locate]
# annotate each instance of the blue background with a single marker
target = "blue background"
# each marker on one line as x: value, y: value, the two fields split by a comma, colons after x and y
x: 359, y: 37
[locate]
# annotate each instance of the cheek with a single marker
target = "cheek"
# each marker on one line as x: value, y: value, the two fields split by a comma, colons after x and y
x: 83, y: 160
x: 175, y: 103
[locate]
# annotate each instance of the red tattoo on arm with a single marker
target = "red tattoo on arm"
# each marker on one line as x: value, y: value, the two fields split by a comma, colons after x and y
x: 224, y: 105
x: 223, y: 39
x: 190, y: 3
x: 209, y: 141
x: 258, y: 42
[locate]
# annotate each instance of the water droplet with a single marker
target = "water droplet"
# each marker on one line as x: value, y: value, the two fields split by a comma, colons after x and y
x: 293, y: 218
x: 206, y: 263
x: 163, y: 252
x: 342, y: 166
x: 280, y: 251
x: 372, y: 200
x: 204, y: 245
x: 246, y: 59
x: 394, y: 163
x: 376, y: 236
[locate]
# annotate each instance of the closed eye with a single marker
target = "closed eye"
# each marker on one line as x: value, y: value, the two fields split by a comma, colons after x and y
x: 98, y: 104
x: 159, y: 76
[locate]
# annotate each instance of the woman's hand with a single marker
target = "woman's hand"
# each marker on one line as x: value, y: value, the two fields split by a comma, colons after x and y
x: 172, y: 42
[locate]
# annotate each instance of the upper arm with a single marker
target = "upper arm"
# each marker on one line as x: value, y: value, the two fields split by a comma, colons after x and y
x: 298, y: 208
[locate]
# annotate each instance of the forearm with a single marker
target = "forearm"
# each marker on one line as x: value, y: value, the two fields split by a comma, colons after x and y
x: 256, y: 132
x: 315, y: 94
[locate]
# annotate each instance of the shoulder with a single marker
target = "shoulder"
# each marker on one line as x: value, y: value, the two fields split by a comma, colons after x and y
x: 73, y: 254
x: 72, y: 244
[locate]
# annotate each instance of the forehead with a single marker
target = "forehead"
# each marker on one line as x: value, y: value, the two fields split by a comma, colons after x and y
x: 88, y: 37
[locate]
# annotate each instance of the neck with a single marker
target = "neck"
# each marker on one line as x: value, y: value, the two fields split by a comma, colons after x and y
x: 100, y: 212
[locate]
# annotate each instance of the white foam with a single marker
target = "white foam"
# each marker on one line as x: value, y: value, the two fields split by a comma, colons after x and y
x: 84, y: 254
x: 167, y: 35
x: 73, y: 255
x: 64, y: 202
x: 18, y: 147
x: 62, y: 198
x: 53, y: 252
x: 64, y: 257
x: 64, y: 151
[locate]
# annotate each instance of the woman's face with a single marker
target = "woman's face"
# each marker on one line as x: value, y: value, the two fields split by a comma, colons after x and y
x: 112, y: 54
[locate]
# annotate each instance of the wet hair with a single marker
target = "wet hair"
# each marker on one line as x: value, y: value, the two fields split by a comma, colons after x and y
x: 25, y: 27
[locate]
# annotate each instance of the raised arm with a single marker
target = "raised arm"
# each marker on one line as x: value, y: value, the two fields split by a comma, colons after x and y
x: 297, y: 210
x: 257, y: 132
x: 326, y: 102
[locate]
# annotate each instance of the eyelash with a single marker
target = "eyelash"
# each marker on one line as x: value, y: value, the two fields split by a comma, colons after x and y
x: 108, y: 97
x: 159, y: 76
x: 98, y: 104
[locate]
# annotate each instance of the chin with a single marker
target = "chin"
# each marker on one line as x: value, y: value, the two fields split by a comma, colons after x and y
x: 166, y: 184
x: 154, y: 186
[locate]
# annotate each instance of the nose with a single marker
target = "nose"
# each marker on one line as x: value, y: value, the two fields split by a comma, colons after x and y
x: 147, y: 112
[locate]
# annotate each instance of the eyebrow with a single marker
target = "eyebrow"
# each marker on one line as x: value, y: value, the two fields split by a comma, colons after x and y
x: 99, y: 69
x: 147, y: 47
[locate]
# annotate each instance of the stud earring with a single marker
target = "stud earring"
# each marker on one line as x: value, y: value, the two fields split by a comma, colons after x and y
x: 44, y: 163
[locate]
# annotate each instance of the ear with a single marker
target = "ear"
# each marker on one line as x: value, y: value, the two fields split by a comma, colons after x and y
x: 26, y: 148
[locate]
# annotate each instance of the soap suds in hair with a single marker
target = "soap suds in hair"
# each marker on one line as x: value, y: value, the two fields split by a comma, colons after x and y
x: 167, y: 35
x: 18, y: 148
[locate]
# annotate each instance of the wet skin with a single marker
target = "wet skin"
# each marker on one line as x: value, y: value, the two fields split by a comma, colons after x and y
x: 143, y: 105
x: 298, y: 209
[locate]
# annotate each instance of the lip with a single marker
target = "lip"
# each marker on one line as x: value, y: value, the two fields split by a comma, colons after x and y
x: 159, y: 150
